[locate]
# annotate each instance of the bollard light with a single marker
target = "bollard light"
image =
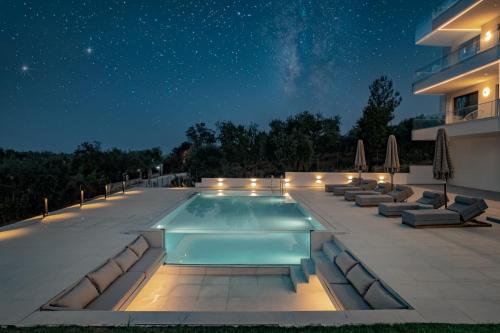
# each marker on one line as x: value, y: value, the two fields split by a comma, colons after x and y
x: 45, y: 206
x: 81, y: 196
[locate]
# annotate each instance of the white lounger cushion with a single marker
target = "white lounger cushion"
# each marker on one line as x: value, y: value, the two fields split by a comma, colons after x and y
x: 360, y: 278
x: 126, y: 259
x: 345, y: 262
x: 139, y: 246
x: 78, y: 297
x: 105, y: 275
x: 379, y: 298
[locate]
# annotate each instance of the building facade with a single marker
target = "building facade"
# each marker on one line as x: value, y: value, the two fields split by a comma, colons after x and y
x: 466, y: 77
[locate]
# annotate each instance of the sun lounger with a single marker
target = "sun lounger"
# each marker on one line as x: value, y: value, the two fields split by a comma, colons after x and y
x: 353, y: 182
x: 461, y: 213
x: 429, y: 200
x: 382, y: 188
x: 366, y: 185
x: 400, y: 194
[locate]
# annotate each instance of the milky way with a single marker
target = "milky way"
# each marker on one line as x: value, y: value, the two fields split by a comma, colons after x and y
x: 136, y: 74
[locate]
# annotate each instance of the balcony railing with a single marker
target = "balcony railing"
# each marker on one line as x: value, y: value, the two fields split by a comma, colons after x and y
x: 425, y: 26
x: 473, y: 112
x: 448, y: 60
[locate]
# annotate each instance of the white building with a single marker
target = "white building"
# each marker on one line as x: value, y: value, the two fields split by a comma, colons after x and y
x: 466, y: 79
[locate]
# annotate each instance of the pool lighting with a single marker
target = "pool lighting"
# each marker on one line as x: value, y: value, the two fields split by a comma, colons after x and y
x: 349, y: 177
x: 487, y: 36
x: 318, y: 179
x: 381, y: 179
x: 220, y: 181
x: 253, y: 180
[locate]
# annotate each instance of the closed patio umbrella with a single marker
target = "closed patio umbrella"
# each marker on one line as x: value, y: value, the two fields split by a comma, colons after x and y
x: 442, y: 167
x: 360, y: 160
x: 391, y: 164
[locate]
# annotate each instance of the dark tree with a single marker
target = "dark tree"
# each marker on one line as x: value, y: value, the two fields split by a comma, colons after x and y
x: 373, y: 127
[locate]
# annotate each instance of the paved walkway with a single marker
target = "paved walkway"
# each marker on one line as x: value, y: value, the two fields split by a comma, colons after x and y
x: 39, y: 259
x: 447, y: 275
x: 450, y: 275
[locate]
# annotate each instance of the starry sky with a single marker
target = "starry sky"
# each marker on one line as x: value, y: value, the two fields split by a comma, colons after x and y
x: 135, y: 74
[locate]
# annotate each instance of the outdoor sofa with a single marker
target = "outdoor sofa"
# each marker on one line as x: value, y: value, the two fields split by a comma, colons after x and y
x: 114, y: 284
x: 461, y: 213
x: 351, y: 183
x: 350, y: 283
x: 429, y: 200
x: 400, y: 193
x: 382, y: 188
x: 365, y: 185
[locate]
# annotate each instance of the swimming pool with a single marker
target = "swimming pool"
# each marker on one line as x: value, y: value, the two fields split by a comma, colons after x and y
x: 238, y: 229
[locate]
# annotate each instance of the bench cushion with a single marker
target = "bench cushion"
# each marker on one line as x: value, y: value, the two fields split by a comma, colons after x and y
x: 105, y: 275
x: 379, y: 298
x: 139, y: 246
x: 77, y: 297
x: 349, y: 297
x: 149, y: 261
x: 117, y: 293
x: 372, y: 200
x: 360, y: 278
x: 430, y: 217
x: 345, y: 262
x: 340, y: 190
x: 126, y: 259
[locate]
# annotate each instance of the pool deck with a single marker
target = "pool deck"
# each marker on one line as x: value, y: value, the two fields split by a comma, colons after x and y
x: 447, y: 275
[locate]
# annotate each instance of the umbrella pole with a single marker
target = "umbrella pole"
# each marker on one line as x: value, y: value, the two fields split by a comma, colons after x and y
x: 392, y: 181
x: 445, y: 196
x: 359, y: 177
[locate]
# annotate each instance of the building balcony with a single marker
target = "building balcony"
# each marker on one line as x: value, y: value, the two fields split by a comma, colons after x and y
x: 474, y: 120
x: 458, y: 70
x: 455, y: 20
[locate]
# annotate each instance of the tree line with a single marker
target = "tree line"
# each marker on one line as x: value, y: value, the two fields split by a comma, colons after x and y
x: 302, y: 142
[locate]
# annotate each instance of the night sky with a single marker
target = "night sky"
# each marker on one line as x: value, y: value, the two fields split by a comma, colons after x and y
x: 136, y: 74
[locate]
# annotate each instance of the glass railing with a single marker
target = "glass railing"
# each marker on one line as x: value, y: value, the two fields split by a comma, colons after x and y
x: 425, y: 27
x: 237, y: 247
x: 427, y: 121
x: 473, y: 112
x: 448, y: 60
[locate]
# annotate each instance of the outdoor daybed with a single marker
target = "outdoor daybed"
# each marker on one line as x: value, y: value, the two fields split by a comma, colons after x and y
x: 461, y: 213
x: 382, y: 188
x: 366, y: 185
x: 400, y: 193
x: 114, y: 284
x: 351, y: 284
x: 429, y: 200
x: 351, y: 183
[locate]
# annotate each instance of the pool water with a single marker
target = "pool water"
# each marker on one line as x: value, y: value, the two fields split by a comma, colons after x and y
x: 236, y: 229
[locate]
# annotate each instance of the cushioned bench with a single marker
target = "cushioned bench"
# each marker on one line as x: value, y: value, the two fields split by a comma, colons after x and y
x: 351, y: 195
x: 351, y: 285
x: 113, y: 285
x: 427, y: 217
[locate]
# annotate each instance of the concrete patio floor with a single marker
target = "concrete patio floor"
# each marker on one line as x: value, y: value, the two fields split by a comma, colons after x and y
x: 168, y: 291
x: 447, y: 275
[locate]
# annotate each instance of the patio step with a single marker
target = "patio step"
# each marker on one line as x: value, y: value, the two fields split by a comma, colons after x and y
x: 308, y: 267
x: 298, y: 277
x: 330, y: 250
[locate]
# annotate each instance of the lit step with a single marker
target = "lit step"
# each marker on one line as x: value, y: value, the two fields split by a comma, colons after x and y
x: 307, y: 267
x: 298, y: 277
